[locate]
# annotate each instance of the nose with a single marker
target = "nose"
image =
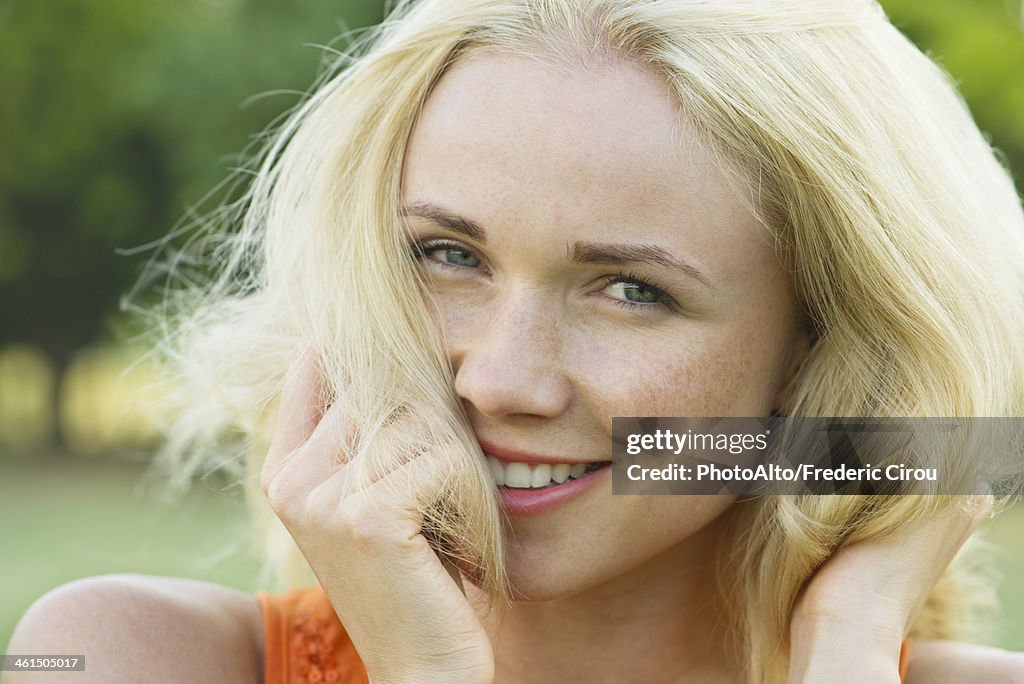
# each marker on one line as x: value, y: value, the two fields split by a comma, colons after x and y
x: 508, y: 360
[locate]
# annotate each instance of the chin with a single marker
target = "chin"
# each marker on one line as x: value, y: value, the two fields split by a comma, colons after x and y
x: 539, y: 592
x: 539, y: 579
x: 529, y: 585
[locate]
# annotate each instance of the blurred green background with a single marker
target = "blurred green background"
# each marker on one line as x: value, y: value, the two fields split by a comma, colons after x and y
x: 116, y: 119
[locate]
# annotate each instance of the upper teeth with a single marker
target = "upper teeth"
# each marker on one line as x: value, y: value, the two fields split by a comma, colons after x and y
x: 525, y: 475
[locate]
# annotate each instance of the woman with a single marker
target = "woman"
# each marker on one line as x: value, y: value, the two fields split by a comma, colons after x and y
x: 508, y: 222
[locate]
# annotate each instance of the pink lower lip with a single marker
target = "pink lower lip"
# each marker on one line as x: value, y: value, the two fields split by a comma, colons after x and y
x: 535, y: 501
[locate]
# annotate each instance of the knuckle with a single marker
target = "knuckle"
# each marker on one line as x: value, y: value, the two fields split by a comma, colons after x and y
x: 283, y: 500
x: 266, y: 481
x: 270, y: 475
x: 272, y: 488
x: 359, y: 523
x: 321, y: 506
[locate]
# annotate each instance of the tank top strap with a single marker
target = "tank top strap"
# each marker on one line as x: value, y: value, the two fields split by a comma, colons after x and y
x: 304, y: 641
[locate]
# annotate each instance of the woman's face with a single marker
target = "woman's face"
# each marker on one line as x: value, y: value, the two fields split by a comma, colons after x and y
x: 589, y: 260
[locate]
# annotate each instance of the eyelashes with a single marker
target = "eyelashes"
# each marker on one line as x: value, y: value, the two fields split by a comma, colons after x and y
x: 647, y: 291
x: 637, y: 293
x: 421, y: 249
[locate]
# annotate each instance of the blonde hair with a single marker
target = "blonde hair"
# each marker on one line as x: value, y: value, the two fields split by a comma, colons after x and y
x: 903, y: 234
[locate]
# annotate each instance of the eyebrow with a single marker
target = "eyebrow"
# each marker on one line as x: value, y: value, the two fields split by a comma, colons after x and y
x: 625, y: 253
x: 619, y: 254
x: 448, y: 220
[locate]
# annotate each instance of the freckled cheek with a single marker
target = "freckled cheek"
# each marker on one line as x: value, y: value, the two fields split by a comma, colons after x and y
x: 710, y: 376
x: 453, y: 315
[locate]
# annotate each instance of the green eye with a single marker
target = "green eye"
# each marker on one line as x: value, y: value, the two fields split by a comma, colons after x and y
x: 446, y: 253
x: 455, y: 256
x: 636, y: 293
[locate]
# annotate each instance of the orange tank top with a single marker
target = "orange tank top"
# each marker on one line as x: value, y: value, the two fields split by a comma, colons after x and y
x: 304, y: 642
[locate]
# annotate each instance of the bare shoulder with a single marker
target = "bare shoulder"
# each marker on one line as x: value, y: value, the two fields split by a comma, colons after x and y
x: 953, y: 662
x: 142, y: 627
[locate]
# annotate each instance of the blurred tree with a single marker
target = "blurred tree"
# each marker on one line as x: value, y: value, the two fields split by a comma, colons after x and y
x: 114, y: 114
x: 76, y: 174
x: 981, y: 44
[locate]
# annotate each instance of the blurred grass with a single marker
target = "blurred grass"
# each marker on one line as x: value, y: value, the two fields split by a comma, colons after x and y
x: 62, y: 518
x: 1006, y: 532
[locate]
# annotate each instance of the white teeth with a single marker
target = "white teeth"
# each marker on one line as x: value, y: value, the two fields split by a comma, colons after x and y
x: 496, y: 470
x: 518, y: 475
x: 541, y: 475
x: 560, y: 472
x: 526, y: 476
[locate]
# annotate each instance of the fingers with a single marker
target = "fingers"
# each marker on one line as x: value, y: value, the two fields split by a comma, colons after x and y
x: 960, y: 521
x: 397, y: 439
x: 319, y: 459
x: 305, y: 474
x: 383, y: 517
x: 981, y: 505
x: 417, y: 479
x: 946, y: 533
x: 415, y: 484
x: 929, y: 549
x: 299, y: 412
x: 302, y: 400
x: 334, y: 442
x: 975, y: 510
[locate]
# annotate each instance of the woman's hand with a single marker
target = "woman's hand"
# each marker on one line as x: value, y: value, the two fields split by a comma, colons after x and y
x: 403, y: 609
x: 858, y: 607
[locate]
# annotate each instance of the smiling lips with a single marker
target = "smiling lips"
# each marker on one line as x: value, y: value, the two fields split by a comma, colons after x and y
x: 526, y: 476
x: 531, y: 484
x: 523, y: 470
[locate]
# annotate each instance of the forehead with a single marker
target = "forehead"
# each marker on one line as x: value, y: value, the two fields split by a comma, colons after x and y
x: 521, y: 113
x: 602, y: 147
